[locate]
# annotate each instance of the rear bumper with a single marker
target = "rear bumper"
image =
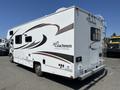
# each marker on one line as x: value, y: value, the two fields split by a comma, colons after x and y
x: 84, y: 76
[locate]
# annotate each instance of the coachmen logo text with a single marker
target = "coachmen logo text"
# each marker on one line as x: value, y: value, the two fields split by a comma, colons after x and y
x: 59, y: 45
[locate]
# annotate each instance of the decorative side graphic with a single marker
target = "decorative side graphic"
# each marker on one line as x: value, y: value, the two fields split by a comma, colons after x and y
x: 40, y: 43
x: 64, y: 57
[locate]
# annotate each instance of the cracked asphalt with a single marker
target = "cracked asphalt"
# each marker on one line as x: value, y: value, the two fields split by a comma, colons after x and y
x: 18, y: 77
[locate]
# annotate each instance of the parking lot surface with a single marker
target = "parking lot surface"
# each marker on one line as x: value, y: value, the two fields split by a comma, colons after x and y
x: 18, y: 77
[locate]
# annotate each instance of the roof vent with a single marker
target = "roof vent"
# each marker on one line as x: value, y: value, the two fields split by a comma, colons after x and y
x: 61, y: 9
x: 100, y: 17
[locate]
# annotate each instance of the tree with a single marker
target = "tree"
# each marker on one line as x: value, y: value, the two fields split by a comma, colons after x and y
x: 114, y: 34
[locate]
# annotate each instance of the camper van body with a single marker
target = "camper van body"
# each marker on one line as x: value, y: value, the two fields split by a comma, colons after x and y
x: 66, y: 43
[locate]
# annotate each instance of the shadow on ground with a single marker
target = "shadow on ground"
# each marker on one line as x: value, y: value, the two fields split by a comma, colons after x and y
x: 74, y: 84
x: 77, y: 84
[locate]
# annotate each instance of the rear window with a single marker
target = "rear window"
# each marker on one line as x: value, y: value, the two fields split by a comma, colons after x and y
x: 95, y: 34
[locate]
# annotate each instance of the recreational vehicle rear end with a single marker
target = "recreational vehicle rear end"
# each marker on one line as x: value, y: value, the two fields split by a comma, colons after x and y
x: 66, y: 43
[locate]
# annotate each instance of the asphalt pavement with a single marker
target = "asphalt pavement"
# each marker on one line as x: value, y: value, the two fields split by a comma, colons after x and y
x: 18, y: 77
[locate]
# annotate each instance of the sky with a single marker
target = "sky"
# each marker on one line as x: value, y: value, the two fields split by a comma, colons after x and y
x: 17, y: 12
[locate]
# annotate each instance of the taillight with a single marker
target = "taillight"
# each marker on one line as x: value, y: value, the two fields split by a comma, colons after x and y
x: 78, y: 59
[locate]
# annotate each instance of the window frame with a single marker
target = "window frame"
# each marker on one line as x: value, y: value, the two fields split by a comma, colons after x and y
x: 27, y: 40
x: 18, y: 39
x: 11, y: 33
x: 95, y: 34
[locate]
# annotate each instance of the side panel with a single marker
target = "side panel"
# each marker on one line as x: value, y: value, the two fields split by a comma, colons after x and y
x: 52, y: 44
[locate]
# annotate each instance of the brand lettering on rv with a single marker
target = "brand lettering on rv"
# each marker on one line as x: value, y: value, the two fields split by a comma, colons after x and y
x: 59, y: 45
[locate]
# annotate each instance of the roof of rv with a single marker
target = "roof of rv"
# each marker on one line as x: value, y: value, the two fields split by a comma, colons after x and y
x: 57, y: 11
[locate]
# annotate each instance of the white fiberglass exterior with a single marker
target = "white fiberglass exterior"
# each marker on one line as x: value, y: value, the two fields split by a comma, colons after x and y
x: 57, y: 40
x: 85, y: 48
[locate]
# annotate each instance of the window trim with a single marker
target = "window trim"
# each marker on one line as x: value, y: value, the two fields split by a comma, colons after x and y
x: 11, y: 33
x: 95, y: 34
x: 28, y: 40
x: 19, y: 41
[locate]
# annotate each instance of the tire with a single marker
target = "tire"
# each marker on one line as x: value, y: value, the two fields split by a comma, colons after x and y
x: 38, y: 70
x: 11, y: 58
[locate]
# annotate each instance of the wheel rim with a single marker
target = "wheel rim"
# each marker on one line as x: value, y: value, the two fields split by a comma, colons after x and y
x: 38, y: 68
x: 11, y: 58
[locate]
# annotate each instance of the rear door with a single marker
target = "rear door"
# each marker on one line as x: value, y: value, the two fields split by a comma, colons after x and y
x: 95, y: 46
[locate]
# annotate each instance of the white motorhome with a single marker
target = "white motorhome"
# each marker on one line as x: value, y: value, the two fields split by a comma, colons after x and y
x: 66, y: 43
x: 3, y: 42
x: 3, y: 46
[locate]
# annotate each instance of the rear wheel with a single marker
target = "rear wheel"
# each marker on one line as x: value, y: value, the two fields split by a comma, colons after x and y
x: 38, y: 70
x: 11, y: 58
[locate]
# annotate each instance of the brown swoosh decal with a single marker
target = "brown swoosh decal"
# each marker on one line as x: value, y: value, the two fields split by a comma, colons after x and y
x: 42, y: 42
x: 59, y: 31
x: 42, y: 25
x: 52, y: 56
x: 32, y: 44
x: 60, y: 56
x: 67, y: 28
x: 21, y: 46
